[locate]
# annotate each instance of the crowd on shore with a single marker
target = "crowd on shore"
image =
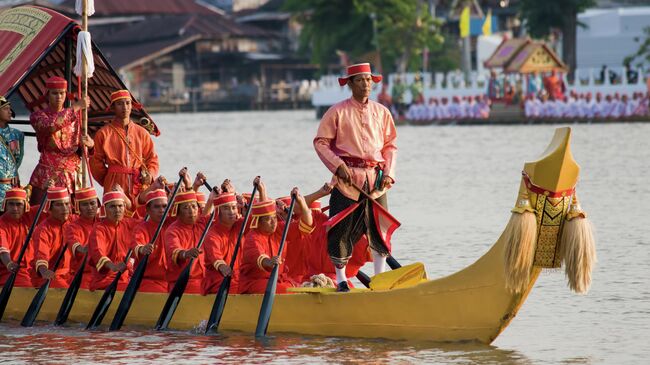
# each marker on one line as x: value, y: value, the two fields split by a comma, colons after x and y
x: 466, y: 107
x: 584, y: 106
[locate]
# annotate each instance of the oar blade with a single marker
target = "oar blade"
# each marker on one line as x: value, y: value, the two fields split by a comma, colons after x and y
x: 218, y: 306
x: 267, y: 304
x: 6, y: 293
x: 174, y: 298
x: 103, y: 305
x: 35, y: 305
x: 129, y: 295
x: 70, y: 295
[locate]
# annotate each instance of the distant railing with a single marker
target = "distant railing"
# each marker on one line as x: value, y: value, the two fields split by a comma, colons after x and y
x: 451, y: 84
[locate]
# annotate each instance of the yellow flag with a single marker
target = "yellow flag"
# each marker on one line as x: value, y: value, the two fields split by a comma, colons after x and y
x: 464, y: 22
x: 487, y: 24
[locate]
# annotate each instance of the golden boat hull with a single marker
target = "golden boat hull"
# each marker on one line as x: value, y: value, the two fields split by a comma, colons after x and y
x: 470, y: 305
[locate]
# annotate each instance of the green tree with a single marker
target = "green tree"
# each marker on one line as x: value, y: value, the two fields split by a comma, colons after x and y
x: 643, y: 53
x: 404, y: 29
x: 544, y: 16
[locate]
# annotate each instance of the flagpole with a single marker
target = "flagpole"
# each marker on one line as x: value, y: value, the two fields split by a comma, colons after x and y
x: 84, y: 95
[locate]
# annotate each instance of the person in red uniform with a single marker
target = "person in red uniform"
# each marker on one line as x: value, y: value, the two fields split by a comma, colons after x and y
x: 124, y: 153
x: 49, y: 241
x: 77, y: 232
x: 58, y: 137
x: 220, y: 244
x: 263, y: 242
x: 14, y: 225
x: 180, y: 241
x: 154, y: 279
x: 110, y: 240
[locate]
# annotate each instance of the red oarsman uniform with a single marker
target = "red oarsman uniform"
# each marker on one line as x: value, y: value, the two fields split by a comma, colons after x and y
x: 296, y: 259
x: 57, y: 137
x: 12, y: 236
x: 109, y: 242
x: 258, y: 246
x: 219, y: 246
x: 182, y: 236
x: 77, y: 233
x: 154, y: 279
x: 122, y: 154
x: 49, y: 243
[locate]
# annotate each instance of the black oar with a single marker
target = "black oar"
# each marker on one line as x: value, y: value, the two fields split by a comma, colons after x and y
x: 136, y: 279
x: 363, y: 278
x: 222, y: 295
x: 71, y: 294
x: 107, y: 298
x: 9, y: 284
x: 39, y: 298
x: 269, y: 294
x: 181, y: 283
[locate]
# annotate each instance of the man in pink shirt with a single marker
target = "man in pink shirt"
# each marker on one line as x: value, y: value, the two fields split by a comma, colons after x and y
x: 356, y: 142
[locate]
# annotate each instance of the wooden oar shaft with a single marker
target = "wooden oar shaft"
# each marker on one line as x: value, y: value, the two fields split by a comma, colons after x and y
x: 107, y: 298
x: 136, y: 279
x: 71, y: 294
x: 269, y: 294
x: 222, y: 295
x: 181, y: 283
x: 39, y: 298
x: 9, y: 284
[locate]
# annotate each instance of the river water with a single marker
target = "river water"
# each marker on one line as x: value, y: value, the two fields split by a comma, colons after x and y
x: 455, y: 187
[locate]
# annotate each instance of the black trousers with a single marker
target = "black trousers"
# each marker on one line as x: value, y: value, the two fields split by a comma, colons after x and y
x: 343, y: 236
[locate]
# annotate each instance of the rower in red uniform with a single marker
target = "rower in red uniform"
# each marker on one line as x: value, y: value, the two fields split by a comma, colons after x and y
x: 263, y: 242
x: 154, y: 279
x: 58, y: 139
x: 14, y: 225
x: 110, y: 240
x: 180, y: 241
x: 49, y: 243
x: 220, y: 243
x: 77, y: 232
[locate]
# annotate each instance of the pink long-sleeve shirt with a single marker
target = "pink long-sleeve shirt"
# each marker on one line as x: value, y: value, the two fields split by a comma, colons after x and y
x: 364, y: 131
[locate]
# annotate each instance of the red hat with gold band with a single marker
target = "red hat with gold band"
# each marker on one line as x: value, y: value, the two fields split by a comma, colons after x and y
x: 224, y: 198
x: 261, y: 209
x: 56, y: 83
x: 16, y: 194
x: 55, y: 194
x: 200, y: 197
x: 85, y: 194
x: 154, y: 195
x: 184, y: 197
x: 109, y: 197
x: 358, y: 69
x: 123, y: 94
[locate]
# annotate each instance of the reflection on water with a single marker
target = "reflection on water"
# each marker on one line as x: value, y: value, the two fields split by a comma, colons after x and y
x: 69, y: 345
x: 455, y: 187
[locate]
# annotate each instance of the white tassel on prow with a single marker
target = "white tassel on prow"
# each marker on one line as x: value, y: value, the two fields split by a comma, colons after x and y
x: 520, y: 233
x: 578, y: 248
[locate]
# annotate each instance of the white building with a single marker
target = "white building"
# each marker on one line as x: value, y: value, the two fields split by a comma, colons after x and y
x: 610, y: 35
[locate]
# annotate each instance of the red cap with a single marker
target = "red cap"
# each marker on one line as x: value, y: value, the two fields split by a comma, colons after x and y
x: 84, y: 194
x: 56, y: 82
x: 123, y: 94
x: 155, y: 194
x: 224, y: 198
x: 261, y: 209
x: 200, y: 197
x: 54, y: 194
x: 16, y: 194
x: 315, y: 205
x: 285, y: 199
x: 184, y: 197
x: 358, y: 69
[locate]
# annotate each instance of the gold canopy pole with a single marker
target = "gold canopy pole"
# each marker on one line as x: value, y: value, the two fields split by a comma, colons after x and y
x: 84, y: 95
